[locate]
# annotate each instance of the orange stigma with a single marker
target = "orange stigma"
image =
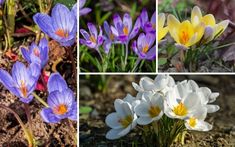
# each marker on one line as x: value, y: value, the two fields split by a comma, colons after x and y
x: 184, y: 37
x: 61, y: 109
x: 62, y: 33
x: 36, y: 52
x: 23, y: 89
x: 145, y: 48
x: 125, y: 30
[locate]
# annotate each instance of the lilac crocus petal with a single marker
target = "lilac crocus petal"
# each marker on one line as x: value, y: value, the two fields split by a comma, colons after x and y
x: 151, y: 54
x: 85, y: 34
x: 117, y: 20
x: 127, y: 21
x: 135, y: 29
x: 84, y: 11
x: 92, y: 30
x: 19, y: 73
x: 25, y: 53
x: 107, y: 45
x: 75, y: 10
x: 107, y: 28
x: 44, y: 50
x: 56, y: 83
x: 153, y: 19
x: 73, y: 113
x: 26, y: 100
x: 48, y: 116
x: 1, y: 2
x: 144, y: 17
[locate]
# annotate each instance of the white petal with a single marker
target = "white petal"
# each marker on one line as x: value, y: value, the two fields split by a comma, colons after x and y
x: 193, y: 85
x: 125, y: 131
x: 112, y: 120
x: 157, y: 100
x: 147, y: 83
x: 137, y: 87
x: 119, y: 108
x: 142, y: 109
x: 212, y: 108
x: 213, y: 97
x: 144, y: 120
x: 113, y: 134
x: 161, y: 81
x: 191, y: 101
x: 203, y: 126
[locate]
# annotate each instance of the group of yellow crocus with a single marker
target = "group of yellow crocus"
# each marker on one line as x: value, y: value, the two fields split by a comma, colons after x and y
x: 201, y: 29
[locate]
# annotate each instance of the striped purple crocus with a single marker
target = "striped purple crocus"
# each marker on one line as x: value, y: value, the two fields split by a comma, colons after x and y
x: 146, y: 24
x: 22, y: 81
x: 61, y: 101
x: 92, y: 39
x: 123, y: 30
x: 60, y: 26
x: 39, y: 53
x: 82, y: 10
x: 144, y: 46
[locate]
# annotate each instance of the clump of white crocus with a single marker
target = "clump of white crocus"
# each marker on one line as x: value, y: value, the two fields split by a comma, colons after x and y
x: 150, y: 108
x: 122, y: 121
x: 162, y: 83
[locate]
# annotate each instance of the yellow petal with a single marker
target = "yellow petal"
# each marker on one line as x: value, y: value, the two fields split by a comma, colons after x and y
x: 161, y: 20
x: 186, y: 31
x: 220, y: 28
x: 196, y: 16
x: 209, y: 20
x: 173, y: 24
x: 162, y: 33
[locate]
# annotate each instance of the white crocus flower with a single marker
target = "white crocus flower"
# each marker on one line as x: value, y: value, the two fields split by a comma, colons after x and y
x: 150, y: 108
x: 162, y: 83
x: 180, y: 106
x: 122, y: 121
x: 206, y: 96
x: 196, y: 121
x: 131, y: 100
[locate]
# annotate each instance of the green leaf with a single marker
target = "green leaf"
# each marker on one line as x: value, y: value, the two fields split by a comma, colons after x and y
x: 85, y: 110
x: 162, y: 61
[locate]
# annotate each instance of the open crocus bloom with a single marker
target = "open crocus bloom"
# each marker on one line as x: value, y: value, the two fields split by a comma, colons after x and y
x: 83, y: 11
x: 162, y: 83
x: 144, y: 47
x: 212, y: 29
x: 22, y: 81
x: 122, y: 121
x: 61, y: 101
x: 181, y: 106
x: 150, y: 108
x: 35, y: 52
x: 162, y: 31
x: 92, y: 39
x: 146, y: 24
x: 123, y: 30
x: 196, y: 121
x: 109, y: 38
x: 61, y: 26
x: 184, y: 33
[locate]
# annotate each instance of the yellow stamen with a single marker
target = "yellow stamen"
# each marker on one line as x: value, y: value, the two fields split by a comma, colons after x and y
x: 92, y: 39
x: 184, y: 37
x: 125, y: 122
x: 145, y: 48
x: 60, y: 110
x: 192, y: 122
x: 125, y: 30
x: 62, y: 33
x: 23, y: 89
x: 154, y: 111
x: 180, y: 110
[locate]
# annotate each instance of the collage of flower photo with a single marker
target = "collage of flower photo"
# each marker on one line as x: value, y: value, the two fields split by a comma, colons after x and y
x: 110, y: 73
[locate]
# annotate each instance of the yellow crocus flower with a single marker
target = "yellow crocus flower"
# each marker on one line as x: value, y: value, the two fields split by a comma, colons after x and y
x: 162, y: 31
x: 212, y: 29
x: 184, y: 33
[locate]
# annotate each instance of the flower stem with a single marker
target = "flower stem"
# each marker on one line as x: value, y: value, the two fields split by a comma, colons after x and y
x: 126, y: 45
x: 40, y: 99
x: 100, y: 54
x: 136, y: 64
x: 28, y: 135
x: 71, y: 129
x: 27, y: 111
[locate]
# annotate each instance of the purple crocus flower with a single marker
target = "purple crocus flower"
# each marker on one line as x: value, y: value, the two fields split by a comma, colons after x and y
x: 61, y: 101
x: 92, y: 40
x: 75, y: 10
x: 39, y: 53
x: 143, y: 47
x: 22, y: 81
x: 1, y: 2
x: 123, y: 28
x: 109, y: 38
x: 61, y: 26
x: 83, y: 11
x: 146, y: 24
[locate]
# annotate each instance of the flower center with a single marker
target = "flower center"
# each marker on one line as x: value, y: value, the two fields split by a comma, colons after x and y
x: 125, y: 122
x: 61, y: 109
x: 111, y: 36
x: 36, y: 52
x: 62, y: 33
x: 145, y: 48
x: 92, y: 39
x: 125, y: 30
x: 180, y: 110
x: 23, y: 89
x: 154, y: 111
x: 184, y: 37
x: 192, y: 122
